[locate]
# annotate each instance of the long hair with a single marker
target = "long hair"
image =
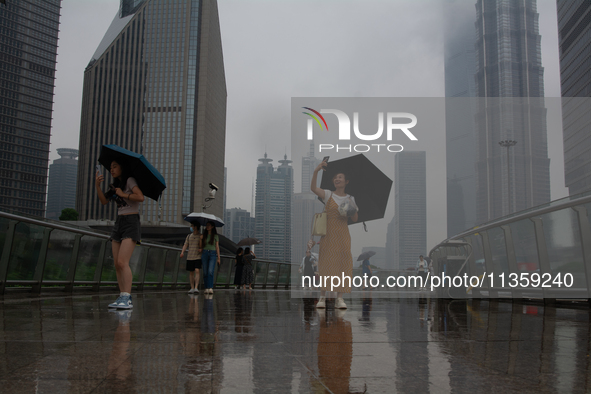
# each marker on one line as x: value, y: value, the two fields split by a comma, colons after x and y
x: 122, y: 181
x: 239, y: 253
x: 209, y: 236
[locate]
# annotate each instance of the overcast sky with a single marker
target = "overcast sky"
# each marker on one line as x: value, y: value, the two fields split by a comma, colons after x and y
x: 278, y: 49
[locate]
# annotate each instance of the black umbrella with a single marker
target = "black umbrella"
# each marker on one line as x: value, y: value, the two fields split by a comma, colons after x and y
x: 248, y: 241
x: 149, y: 180
x: 366, y: 255
x: 370, y: 186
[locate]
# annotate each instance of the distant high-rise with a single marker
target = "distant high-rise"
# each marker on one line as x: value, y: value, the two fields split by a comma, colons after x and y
x: 273, y: 204
x: 410, y: 221
x: 509, y: 78
x: 61, y: 191
x: 156, y: 86
x: 309, y: 164
x: 239, y: 224
x: 305, y: 205
x: 574, y: 28
x: 391, y: 245
x: 460, y: 68
x: 29, y: 34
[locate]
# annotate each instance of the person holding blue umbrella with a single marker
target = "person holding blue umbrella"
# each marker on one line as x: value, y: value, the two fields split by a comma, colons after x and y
x: 124, y: 167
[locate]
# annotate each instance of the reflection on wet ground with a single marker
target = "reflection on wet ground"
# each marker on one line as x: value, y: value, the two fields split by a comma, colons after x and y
x: 264, y: 341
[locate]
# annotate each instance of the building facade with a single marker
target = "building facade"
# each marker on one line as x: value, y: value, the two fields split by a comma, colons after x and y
x: 509, y: 78
x: 28, y: 47
x: 460, y: 135
x: 574, y: 31
x: 156, y: 86
x: 305, y: 205
x: 410, y: 221
x: 273, y: 208
x: 239, y: 224
x: 61, y: 189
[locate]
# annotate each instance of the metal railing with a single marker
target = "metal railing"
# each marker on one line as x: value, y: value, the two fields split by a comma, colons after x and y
x: 543, y: 252
x: 38, y: 253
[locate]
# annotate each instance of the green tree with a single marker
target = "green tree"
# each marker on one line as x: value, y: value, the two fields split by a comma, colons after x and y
x: 69, y: 214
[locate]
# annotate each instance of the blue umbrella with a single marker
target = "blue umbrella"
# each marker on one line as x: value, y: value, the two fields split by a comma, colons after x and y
x: 149, y: 180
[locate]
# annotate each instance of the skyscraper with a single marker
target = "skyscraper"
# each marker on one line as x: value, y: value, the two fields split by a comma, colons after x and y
x: 410, y: 221
x: 460, y: 67
x: 509, y: 75
x: 305, y: 205
x: 61, y: 190
x: 309, y: 164
x: 574, y: 28
x: 28, y: 47
x: 156, y: 86
x: 273, y: 203
x: 239, y: 224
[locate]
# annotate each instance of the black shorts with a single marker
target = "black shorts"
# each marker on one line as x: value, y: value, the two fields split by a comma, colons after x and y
x: 193, y: 265
x: 127, y: 226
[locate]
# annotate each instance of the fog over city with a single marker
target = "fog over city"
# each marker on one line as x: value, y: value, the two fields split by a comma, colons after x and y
x: 276, y: 50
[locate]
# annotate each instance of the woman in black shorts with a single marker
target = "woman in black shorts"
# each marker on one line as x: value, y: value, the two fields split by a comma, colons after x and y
x: 193, y: 244
x: 126, y: 232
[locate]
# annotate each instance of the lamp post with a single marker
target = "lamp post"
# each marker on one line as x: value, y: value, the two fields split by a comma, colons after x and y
x: 508, y: 144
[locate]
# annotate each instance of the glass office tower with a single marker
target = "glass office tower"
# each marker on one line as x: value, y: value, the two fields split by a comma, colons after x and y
x: 61, y: 189
x: 156, y: 85
x: 28, y: 47
x: 410, y: 221
x: 273, y: 204
x: 460, y: 134
x: 574, y: 28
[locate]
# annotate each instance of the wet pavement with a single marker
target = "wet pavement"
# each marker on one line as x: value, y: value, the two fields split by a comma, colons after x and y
x: 264, y: 341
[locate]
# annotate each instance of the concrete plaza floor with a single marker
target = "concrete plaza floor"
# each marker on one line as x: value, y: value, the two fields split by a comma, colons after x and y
x: 264, y: 341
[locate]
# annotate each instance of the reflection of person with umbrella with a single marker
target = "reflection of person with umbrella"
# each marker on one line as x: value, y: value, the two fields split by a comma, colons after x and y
x: 335, y: 257
x: 133, y: 177
x: 126, y: 232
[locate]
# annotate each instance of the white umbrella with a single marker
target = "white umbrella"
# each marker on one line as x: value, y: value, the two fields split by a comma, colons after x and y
x: 202, y: 218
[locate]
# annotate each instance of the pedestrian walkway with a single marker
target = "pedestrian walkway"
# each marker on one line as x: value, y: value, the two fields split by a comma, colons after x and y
x: 265, y: 341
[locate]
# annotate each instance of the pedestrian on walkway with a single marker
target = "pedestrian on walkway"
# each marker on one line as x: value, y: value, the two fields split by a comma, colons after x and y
x: 422, y: 268
x: 126, y: 232
x: 194, y: 263
x: 334, y: 257
x: 239, y: 268
x: 248, y: 270
x: 366, y: 270
x: 210, y: 255
x: 308, y: 266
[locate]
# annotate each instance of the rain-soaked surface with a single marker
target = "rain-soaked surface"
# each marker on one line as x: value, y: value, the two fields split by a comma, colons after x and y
x: 264, y: 341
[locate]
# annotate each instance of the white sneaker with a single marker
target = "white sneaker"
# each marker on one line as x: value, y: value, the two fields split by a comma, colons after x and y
x: 321, y: 303
x: 340, y: 304
x: 191, y: 291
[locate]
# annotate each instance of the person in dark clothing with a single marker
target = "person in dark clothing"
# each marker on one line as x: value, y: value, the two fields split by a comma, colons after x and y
x: 248, y: 270
x: 239, y: 268
x: 308, y: 266
x: 366, y: 270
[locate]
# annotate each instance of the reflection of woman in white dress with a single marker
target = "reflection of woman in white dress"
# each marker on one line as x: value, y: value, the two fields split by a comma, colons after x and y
x: 334, y: 258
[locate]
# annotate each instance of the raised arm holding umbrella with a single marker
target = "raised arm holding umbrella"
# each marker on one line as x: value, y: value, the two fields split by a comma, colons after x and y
x: 129, y: 170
